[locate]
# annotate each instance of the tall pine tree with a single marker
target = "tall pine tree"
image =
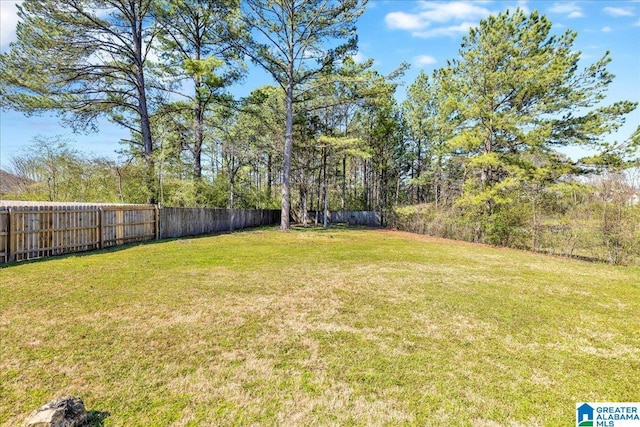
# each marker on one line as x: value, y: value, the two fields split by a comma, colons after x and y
x: 84, y: 59
x: 517, y: 94
x: 294, y: 41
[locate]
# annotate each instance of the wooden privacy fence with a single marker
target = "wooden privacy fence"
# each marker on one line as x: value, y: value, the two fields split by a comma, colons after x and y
x: 30, y: 231
x: 366, y: 218
x: 178, y: 222
x: 34, y: 230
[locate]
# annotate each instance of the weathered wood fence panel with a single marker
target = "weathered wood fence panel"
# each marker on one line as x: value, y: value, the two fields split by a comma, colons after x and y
x: 127, y: 224
x: 31, y: 230
x: 366, y: 218
x: 178, y: 222
x: 40, y: 231
x: 4, y: 235
x: 36, y: 229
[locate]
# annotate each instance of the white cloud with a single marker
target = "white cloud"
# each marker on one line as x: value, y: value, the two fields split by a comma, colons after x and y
x: 451, y: 31
x: 8, y: 22
x: 606, y: 29
x: 571, y: 9
x: 404, y: 21
x: 423, y: 60
x: 438, y: 19
x: 619, y: 11
x: 453, y: 11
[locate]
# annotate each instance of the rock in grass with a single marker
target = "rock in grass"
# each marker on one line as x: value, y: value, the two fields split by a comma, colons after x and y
x: 63, y: 412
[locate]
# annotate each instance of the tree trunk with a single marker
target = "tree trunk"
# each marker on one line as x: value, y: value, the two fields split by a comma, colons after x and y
x: 145, y: 124
x: 303, y: 203
x: 232, y: 201
x: 232, y: 182
x: 366, y: 184
x: 198, y: 120
x: 420, y: 197
x: 344, y: 183
x: 437, y: 181
x: 120, y: 190
x: 487, y: 171
x: 319, y: 196
x: 199, y: 139
x: 269, y: 175
x: 325, y: 207
x: 286, y: 166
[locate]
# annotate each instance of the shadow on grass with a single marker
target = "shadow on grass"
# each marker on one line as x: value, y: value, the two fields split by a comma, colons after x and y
x: 125, y: 246
x: 96, y: 419
x: 336, y: 226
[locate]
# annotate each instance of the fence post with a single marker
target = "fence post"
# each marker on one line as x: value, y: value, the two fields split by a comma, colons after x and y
x: 10, y: 235
x: 100, y: 228
x: 157, y: 218
x: 119, y: 225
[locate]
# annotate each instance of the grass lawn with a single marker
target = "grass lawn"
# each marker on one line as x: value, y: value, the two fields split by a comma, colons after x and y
x: 318, y: 327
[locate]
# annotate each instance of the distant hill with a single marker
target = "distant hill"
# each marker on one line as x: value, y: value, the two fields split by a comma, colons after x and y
x: 12, y: 184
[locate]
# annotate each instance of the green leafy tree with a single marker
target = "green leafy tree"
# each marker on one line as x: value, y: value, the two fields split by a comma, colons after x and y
x: 197, y: 59
x: 426, y: 112
x: 294, y: 41
x: 84, y: 59
x: 517, y: 94
x: 259, y: 131
x: 616, y: 156
x: 53, y: 165
x: 341, y: 96
x: 64, y: 174
x: 378, y: 124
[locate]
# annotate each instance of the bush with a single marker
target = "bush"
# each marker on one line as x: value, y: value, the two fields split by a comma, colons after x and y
x: 606, y: 230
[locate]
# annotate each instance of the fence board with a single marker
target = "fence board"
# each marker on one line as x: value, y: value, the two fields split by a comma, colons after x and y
x: 4, y: 235
x: 179, y: 222
x: 366, y: 218
x: 38, y: 229
x: 33, y: 230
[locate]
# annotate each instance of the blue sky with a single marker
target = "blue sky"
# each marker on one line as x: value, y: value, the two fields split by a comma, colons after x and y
x: 423, y: 33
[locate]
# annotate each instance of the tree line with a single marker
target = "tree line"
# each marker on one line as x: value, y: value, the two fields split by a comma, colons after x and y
x: 480, y: 138
x: 485, y: 138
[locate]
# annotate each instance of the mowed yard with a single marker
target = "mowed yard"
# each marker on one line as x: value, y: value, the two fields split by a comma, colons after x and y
x: 318, y: 327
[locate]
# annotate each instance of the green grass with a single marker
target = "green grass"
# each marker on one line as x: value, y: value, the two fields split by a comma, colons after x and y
x: 334, y: 327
